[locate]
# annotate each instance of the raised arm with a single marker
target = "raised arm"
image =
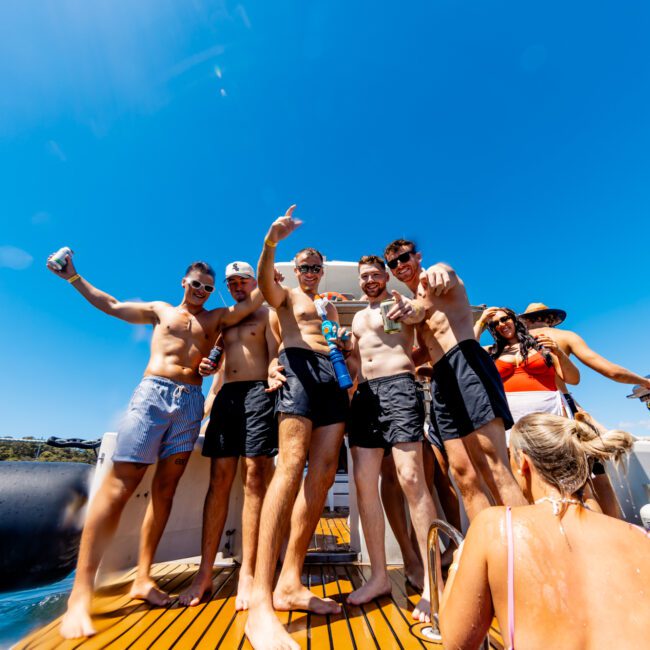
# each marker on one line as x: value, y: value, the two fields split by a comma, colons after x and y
x: 483, y: 321
x: 598, y: 363
x: 282, y: 227
x: 236, y: 313
x: 140, y: 313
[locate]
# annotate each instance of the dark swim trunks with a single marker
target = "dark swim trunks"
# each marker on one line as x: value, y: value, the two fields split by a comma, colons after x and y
x: 385, y: 412
x: 467, y: 392
x: 311, y: 389
x: 597, y: 468
x: 242, y: 422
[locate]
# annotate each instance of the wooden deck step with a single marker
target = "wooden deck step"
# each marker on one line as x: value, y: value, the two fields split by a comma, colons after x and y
x: 332, y: 535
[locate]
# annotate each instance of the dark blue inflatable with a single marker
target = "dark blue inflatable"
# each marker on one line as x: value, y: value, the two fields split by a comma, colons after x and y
x: 40, y: 521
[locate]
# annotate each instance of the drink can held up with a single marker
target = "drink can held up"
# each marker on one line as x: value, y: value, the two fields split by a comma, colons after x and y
x: 390, y: 326
x: 215, y: 355
x: 59, y: 260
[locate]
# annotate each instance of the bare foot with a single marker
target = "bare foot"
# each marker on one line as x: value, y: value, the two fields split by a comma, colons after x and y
x: 76, y: 621
x: 374, y: 588
x: 265, y: 632
x: 244, y: 587
x: 422, y: 611
x: 193, y: 595
x: 146, y: 589
x: 285, y: 600
x: 414, y: 572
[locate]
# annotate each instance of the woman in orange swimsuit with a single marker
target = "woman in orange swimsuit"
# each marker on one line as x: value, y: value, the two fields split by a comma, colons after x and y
x: 555, y: 574
x: 527, y: 364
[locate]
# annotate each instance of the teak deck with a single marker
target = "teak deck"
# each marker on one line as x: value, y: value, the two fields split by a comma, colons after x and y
x: 125, y: 623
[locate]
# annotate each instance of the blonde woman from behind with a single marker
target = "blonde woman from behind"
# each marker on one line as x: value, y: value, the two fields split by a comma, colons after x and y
x: 555, y: 574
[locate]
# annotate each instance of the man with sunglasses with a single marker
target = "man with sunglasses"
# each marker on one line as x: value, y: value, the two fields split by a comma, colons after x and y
x: 312, y: 410
x: 387, y: 419
x: 242, y: 424
x: 160, y: 426
x: 469, y: 408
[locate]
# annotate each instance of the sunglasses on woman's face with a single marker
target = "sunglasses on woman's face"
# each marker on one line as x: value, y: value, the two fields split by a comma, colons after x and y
x: 403, y: 258
x: 309, y: 268
x: 195, y: 284
x: 500, y: 321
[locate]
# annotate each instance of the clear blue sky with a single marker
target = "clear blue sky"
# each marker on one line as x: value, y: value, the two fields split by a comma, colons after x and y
x: 510, y: 139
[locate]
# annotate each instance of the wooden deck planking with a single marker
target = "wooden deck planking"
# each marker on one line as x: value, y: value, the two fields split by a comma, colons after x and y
x: 125, y: 623
x: 114, y: 621
x: 331, y: 535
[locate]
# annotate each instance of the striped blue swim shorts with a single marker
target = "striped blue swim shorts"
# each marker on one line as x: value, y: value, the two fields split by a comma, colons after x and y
x: 163, y: 418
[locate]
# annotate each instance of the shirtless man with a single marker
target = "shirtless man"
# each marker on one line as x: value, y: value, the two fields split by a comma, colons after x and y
x: 242, y: 423
x: 542, y: 320
x: 469, y: 408
x: 161, y: 424
x: 387, y: 417
x: 312, y: 411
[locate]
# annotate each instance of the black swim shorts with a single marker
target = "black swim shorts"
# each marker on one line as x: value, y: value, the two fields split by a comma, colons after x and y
x: 311, y: 389
x: 242, y: 422
x: 467, y: 392
x: 385, y: 412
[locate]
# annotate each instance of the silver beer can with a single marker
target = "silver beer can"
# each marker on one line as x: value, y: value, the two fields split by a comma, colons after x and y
x: 59, y: 260
x: 390, y: 326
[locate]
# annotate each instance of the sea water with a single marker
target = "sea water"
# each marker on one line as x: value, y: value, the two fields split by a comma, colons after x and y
x: 21, y: 612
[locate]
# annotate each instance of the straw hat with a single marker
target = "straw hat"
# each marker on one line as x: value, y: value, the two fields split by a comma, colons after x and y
x: 539, y: 310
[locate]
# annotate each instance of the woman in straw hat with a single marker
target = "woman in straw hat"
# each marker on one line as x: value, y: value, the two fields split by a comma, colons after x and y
x: 536, y: 567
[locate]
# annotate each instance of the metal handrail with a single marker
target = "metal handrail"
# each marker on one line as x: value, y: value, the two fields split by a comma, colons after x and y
x: 436, y: 583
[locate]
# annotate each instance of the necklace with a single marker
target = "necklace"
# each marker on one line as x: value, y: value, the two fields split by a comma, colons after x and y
x: 557, y: 502
x: 557, y: 506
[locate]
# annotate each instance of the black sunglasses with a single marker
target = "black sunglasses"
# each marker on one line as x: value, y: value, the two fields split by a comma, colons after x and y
x: 309, y: 268
x: 500, y: 321
x: 403, y: 258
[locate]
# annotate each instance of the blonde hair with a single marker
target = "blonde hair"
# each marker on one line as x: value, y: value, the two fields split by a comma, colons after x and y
x: 562, y: 450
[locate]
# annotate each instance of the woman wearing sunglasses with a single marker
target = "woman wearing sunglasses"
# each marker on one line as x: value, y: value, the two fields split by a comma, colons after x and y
x: 555, y: 574
x: 528, y: 365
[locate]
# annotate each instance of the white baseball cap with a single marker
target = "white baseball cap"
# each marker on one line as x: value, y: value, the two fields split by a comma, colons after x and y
x: 242, y: 269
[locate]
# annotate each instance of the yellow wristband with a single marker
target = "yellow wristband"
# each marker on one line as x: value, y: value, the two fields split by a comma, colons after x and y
x: 74, y: 278
x: 268, y: 242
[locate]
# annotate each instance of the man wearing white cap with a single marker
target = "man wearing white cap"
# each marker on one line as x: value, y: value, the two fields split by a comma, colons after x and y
x: 541, y: 319
x: 242, y: 423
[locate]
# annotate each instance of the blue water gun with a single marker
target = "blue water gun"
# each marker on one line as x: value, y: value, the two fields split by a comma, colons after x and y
x: 330, y: 329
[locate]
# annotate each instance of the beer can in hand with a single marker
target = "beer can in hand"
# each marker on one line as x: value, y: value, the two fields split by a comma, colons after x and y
x: 59, y: 260
x: 390, y: 326
x: 215, y: 355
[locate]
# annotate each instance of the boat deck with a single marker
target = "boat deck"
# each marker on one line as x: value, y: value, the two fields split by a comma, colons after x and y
x: 332, y: 535
x: 125, y: 623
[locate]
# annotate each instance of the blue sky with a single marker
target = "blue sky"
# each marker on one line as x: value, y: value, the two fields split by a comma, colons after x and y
x: 509, y: 139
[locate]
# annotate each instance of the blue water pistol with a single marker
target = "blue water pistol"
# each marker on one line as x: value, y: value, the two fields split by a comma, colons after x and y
x: 330, y: 329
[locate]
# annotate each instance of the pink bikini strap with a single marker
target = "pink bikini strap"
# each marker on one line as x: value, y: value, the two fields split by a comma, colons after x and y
x: 511, y: 578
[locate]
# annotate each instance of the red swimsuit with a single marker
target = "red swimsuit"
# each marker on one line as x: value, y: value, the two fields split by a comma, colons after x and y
x: 532, y: 374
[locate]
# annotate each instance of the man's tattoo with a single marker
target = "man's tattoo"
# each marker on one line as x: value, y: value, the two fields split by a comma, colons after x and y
x: 180, y: 461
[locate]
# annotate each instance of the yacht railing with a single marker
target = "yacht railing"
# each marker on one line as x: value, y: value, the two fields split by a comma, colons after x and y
x: 436, y: 583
